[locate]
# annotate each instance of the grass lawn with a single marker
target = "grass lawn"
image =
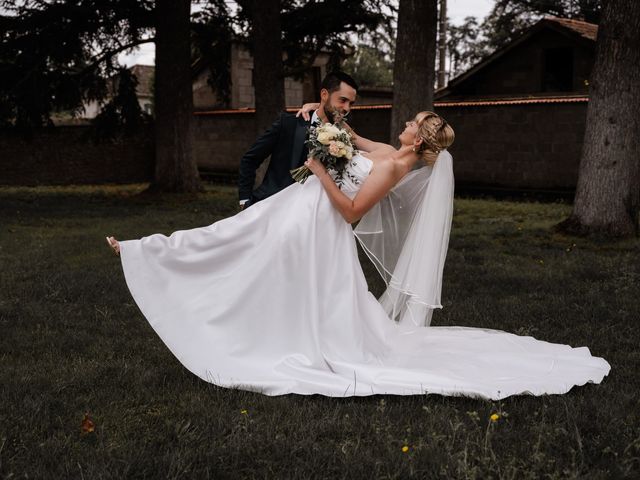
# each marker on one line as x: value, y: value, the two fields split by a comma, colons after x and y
x: 72, y: 341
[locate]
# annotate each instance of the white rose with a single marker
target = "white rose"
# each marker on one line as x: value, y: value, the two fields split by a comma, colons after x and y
x: 331, y: 129
x: 349, y: 153
x: 324, y: 138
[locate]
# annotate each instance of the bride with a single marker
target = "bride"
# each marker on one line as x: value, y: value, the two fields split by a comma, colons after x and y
x: 274, y: 299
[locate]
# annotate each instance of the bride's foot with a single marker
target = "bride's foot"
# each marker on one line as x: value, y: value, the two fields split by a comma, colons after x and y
x: 113, y: 243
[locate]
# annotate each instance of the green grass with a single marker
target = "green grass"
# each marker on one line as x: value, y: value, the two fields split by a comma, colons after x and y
x: 72, y: 341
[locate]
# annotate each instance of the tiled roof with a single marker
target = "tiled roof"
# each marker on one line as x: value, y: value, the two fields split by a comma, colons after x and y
x: 515, y: 100
x: 584, y: 29
x: 437, y: 104
x: 512, y: 101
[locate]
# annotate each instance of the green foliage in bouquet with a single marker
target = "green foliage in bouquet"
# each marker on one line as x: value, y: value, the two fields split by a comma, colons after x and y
x: 331, y: 145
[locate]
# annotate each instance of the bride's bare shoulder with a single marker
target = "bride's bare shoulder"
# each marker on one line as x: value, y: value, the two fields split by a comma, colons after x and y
x: 381, y: 153
x: 383, y: 150
x: 386, y: 165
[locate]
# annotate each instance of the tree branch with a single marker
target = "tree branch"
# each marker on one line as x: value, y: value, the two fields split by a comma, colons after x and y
x: 111, y: 53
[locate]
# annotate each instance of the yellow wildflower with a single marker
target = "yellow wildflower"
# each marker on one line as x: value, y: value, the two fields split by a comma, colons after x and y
x: 405, y: 449
x: 494, y: 417
x: 243, y: 412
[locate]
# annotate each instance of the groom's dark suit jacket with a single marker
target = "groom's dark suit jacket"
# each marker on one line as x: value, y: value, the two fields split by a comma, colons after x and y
x: 284, y: 141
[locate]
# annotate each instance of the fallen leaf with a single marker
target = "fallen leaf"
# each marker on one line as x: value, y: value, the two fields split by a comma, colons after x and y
x: 87, y: 425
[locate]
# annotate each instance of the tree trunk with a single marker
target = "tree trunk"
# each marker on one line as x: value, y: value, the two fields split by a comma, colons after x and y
x: 607, y: 197
x: 414, y: 66
x: 176, y: 170
x: 442, y: 44
x: 268, y: 78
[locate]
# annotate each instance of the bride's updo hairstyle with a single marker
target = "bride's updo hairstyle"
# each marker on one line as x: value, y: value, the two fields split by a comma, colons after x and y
x: 436, y: 135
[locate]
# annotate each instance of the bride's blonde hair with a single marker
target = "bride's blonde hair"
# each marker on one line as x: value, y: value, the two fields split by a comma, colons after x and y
x: 436, y: 135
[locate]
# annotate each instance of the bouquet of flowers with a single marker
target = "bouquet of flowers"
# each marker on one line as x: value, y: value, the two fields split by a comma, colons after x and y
x: 330, y: 144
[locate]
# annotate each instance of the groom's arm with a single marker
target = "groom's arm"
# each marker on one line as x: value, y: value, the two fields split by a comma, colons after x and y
x: 258, y: 153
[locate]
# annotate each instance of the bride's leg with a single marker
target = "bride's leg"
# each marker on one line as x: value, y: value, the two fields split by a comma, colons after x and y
x: 114, y: 244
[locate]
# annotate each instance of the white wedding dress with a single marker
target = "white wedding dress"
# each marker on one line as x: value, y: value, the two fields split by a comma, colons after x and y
x: 274, y: 300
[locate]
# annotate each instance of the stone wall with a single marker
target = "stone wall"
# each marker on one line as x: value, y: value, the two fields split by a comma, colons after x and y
x: 518, y: 146
x: 220, y: 140
x: 69, y: 155
x: 521, y: 146
x: 535, y: 146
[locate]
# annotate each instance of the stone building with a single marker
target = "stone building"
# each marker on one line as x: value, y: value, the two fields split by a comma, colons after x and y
x: 297, y: 91
x: 144, y: 92
x: 520, y: 114
x: 552, y: 58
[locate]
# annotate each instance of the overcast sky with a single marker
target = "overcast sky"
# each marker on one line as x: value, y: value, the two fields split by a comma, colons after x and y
x: 457, y: 11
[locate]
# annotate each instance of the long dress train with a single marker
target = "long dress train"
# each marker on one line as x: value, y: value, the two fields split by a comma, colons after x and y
x: 274, y: 300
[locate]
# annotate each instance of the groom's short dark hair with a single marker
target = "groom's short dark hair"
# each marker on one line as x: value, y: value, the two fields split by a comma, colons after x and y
x: 333, y: 80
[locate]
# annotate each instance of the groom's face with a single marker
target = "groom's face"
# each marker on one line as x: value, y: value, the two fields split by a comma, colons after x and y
x: 339, y: 101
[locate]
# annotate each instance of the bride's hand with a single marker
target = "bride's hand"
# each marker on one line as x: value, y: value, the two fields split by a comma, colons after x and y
x: 306, y: 109
x: 349, y: 130
x: 315, y: 166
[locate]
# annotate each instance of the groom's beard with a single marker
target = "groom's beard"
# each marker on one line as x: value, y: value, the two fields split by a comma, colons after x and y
x: 329, y: 113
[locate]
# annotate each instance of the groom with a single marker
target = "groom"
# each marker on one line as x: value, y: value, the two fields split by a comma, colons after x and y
x: 285, y: 140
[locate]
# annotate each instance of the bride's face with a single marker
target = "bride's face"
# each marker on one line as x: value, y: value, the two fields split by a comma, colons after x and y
x: 408, y: 135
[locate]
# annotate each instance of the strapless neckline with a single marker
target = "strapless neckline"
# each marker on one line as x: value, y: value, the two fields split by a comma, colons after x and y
x: 359, y: 155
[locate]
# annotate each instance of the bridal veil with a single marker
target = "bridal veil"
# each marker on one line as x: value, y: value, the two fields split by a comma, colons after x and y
x: 406, y: 236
